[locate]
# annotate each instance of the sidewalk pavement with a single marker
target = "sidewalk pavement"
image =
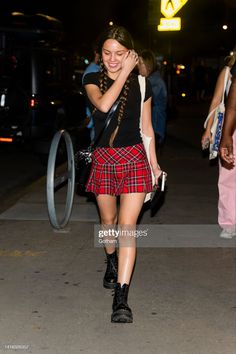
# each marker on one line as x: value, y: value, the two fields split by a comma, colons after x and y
x: 182, y: 296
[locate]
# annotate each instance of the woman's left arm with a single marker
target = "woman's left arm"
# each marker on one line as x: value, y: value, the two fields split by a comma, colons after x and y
x: 148, y: 130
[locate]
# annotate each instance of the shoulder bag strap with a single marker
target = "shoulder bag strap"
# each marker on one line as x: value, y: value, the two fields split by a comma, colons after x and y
x: 142, y: 84
x: 107, y: 122
x: 223, y: 95
x: 225, y: 83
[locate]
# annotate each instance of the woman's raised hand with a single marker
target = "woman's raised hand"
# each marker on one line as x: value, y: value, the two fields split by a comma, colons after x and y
x: 130, y: 60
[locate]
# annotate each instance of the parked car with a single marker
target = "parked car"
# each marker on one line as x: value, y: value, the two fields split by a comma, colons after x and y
x: 37, y: 93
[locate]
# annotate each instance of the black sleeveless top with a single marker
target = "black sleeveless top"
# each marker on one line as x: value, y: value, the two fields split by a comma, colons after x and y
x: 129, y: 132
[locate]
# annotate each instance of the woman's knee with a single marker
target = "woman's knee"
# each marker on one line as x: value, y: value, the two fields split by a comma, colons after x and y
x: 109, y: 220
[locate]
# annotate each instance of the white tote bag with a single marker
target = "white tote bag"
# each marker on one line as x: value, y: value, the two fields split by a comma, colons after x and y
x: 216, y: 128
x: 146, y: 139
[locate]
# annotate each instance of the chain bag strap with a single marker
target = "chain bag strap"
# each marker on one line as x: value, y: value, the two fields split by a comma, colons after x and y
x: 83, y: 157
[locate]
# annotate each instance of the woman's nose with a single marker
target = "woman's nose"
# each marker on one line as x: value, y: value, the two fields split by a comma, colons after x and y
x: 113, y: 57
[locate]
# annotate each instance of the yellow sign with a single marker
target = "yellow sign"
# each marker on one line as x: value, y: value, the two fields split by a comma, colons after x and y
x: 170, y: 7
x: 169, y: 24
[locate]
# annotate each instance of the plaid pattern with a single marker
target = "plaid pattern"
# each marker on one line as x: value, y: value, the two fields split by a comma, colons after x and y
x: 120, y: 170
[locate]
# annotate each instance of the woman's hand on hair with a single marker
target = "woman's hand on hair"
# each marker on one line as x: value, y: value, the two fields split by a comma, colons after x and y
x: 130, y: 61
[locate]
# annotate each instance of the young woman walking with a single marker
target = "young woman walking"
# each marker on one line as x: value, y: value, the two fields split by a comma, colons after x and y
x: 120, y: 166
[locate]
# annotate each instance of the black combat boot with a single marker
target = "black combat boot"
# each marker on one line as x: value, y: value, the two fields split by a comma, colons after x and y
x: 121, y: 311
x: 110, y: 277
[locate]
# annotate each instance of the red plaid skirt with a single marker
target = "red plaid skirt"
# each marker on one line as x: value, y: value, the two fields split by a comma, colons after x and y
x: 120, y: 170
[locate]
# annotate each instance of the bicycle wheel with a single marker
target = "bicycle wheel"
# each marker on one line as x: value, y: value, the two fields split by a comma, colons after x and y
x: 59, y: 177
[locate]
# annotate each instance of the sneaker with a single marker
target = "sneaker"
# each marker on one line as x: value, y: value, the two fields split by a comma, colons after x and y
x: 227, y: 234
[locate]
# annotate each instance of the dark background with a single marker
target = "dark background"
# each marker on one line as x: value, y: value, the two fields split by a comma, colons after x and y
x: 201, y: 35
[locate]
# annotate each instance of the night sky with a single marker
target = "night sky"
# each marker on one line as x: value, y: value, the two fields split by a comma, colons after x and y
x: 202, y: 21
x: 87, y: 18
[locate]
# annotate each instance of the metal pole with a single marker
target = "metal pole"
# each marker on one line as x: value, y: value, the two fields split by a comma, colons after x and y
x: 53, y: 184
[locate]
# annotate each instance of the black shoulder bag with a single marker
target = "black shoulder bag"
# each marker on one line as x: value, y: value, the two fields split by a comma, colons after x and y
x: 83, y: 158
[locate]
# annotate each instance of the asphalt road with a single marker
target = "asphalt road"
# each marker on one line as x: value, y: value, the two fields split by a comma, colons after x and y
x: 183, y: 288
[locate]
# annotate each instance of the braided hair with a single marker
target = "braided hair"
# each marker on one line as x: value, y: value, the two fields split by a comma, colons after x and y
x: 121, y: 35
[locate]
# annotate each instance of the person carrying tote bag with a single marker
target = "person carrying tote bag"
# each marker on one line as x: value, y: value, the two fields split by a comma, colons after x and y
x: 227, y: 174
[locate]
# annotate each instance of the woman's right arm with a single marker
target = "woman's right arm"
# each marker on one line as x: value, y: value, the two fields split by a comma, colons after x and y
x: 226, y: 145
x: 103, y: 102
x: 216, y: 99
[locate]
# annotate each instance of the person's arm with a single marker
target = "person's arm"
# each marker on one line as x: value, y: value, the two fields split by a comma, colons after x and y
x: 148, y: 130
x: 103, y: 102
x: 226, y: 145
x: 216, y: 99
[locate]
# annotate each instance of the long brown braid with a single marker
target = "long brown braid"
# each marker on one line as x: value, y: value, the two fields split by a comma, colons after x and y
x: 123, y: 37
x: 102, y: 82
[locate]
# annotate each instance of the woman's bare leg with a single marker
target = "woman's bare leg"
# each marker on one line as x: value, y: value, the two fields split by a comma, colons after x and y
x: 108, y: 215
x: 130, y: 207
